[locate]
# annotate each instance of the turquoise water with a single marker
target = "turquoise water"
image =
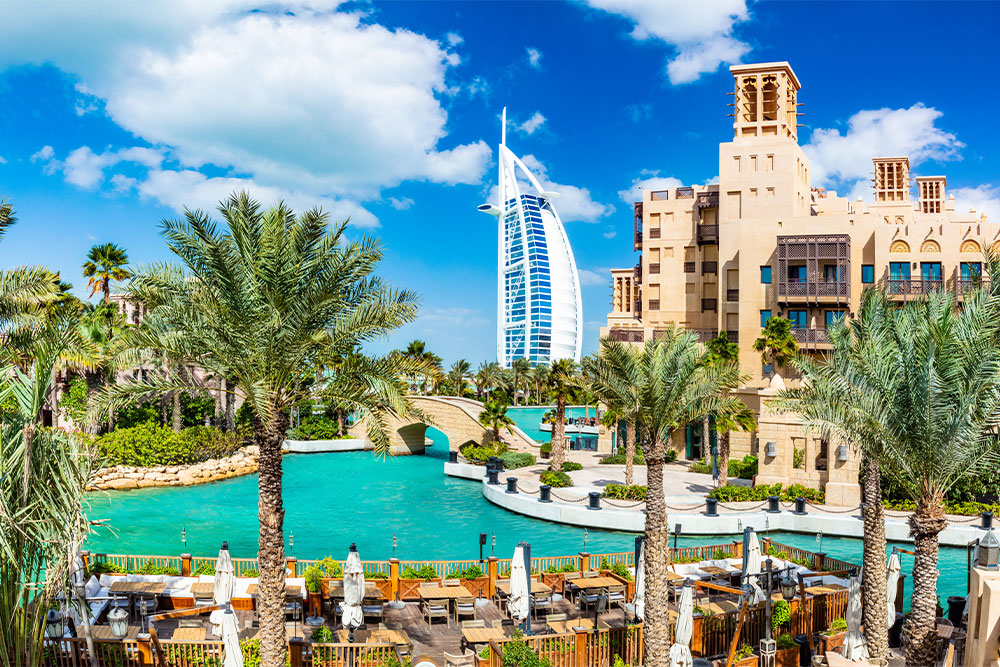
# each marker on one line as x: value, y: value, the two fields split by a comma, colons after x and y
x: 529, y: 418
x: 332, y: 500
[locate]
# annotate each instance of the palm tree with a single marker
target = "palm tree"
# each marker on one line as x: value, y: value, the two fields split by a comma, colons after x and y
x: 675, y: 389
x: 488, y: 377
x: 24, y: 288
x: 458, y: 374
x: 562, y: 378
x: 776, y: 344
x: 742, y: 420
x: 539, y: 378
x: 494, y: 417
x: 256, y: 300
x: 719, y: 351
x: 105, y: 262
x: 625, y: 401
x: 521, y: 367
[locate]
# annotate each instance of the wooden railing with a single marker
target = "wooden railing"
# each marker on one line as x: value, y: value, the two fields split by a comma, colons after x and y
x: 595, y: 648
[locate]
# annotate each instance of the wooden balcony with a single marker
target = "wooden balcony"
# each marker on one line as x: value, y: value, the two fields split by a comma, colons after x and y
x: 709, y: 305
x: 708, y: 234
x: 688, y: 267
x: 814, y: 290
x: 732, y: 295
x: 816, y: 252
x: 709, y: 267
x: 811, y: 339
x: 626, y: 335
x: 704, y: 335
x: 904, y: 289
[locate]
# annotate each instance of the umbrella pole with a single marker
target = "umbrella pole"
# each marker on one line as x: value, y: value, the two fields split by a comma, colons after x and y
x: 739, y: 631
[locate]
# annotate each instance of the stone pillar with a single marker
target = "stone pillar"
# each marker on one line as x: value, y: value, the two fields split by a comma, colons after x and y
x: 984, y: 618
x: 768, y: 647
x: 842, y: 487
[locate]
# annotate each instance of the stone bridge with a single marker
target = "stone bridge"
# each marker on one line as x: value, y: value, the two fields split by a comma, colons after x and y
x: 457, y: 418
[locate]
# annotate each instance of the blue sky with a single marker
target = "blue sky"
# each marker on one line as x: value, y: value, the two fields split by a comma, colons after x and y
x: 116, y: 115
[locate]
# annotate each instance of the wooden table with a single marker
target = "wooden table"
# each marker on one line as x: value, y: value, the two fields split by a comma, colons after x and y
x: 482, y: 635
x: 824, y: 589
x: 945, y: 631
x: 536, y: 587
x: 104, y: 632
x: 203, y: 589
x: 561, y: 627
x: 336, y: 591
x: 137, y: 588
x: 673, y: 576
x: 444, y: 592
x: 722, y: 607
x: 189, y: 634
x: 290, y: 591
x: 398, y: 637
x: 596, y: 582
x: 713, y: 571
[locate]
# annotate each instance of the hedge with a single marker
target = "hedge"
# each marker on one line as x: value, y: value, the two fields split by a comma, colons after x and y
x: 570, y: 466
x: 625, y: 492
x: 970, y: 508
x: 317, y: 428
x: 556, y: 480
x: 513, y: 460
x: 619, y: 459
x: 732, y: 494
x: 480, y: 455
x: 151, y: 444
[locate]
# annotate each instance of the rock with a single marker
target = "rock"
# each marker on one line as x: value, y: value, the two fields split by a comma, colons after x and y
x: 122, y: 483
x: 173, y: 470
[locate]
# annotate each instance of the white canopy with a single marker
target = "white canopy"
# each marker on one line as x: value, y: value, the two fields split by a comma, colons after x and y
x: 223, y: 592
x: 232, y: 654
x: 754, y: 562
x: 519, y: 602
x: 891, y: 583
x: 639, y: 598
x: 354, y: 590
x: 680, y: 652
x: 854, y: 642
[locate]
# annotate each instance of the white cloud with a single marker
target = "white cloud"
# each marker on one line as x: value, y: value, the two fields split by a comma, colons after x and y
x: 123, y: 184
x: 847, y: 158
x: 700, y: 33
x: 43, y: 154
x: 532, y: 124
x: 590, y: 278
x: 2, y: 160
x: 454, y: 39
x: 85, y: 169
x: 574, y: 203
x: 401, y: 204
x: 653, y: 181
x: 534, y: 57
x: 983, y: 198
x: 298, y: 98
x: 610, y: 233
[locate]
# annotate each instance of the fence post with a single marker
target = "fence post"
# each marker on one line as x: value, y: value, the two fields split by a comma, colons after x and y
x: 290, y: 563
x: 394, y: 579
x: 581, y: 648
x: 697, y: 645
x: 899, y: 593
x: 185, y: 565
x: 821, y: 562
x: 738, y: 549
x: 145, y: 644
x: 85, y: 558
x: 584, y: 561
x: 491, y: 574
x: 295, y: 652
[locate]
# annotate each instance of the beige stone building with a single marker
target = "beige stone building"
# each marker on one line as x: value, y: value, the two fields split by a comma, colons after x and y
x: 763, y: 242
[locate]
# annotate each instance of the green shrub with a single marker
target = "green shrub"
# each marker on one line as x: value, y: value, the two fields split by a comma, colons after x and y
x: 104, y: 567
x: 546, y: 448
x: 798, y: 457
x: 838, y: 625
x: 204, y: 568
x: 514, y: 460
x: 426, y: 572
x: 744, y: 651
x: 619, y: 459
x: 75, y: 401
x: 570, y: 466
x: 622, y: 571
x: 473, y: 572
x: 744, y: 469
x: 377, y: 575
x: 730, y: 493
x: 700, y: 467
x: 518, y: 654
x: 670, y: 456
x: 625, y: 492
x: 250, y: 572
x: 556, y: 480
x: 149, y: 567
x: 330, y: 568
x: 151, y: 444
x: 553, y: 569
x: 480, y: 455
x: 250, y: 648
x: 314, y: 579
x: 322, y: 635
x: 779, y: 615
x: 785, y: 641
x: 719, y: 555
x: 316, y: 427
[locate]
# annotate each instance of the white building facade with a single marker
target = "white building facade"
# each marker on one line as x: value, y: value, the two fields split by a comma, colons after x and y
x: 539, y: 308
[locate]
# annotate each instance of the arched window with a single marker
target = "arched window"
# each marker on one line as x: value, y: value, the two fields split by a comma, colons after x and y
x: 899, y: 246
x: 970, y: 246
x: 930, y: 245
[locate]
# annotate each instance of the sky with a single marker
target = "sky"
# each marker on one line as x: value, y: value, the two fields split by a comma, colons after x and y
x: 118, y: 115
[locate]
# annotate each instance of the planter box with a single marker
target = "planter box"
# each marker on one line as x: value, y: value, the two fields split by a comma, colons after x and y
x: 384, y: 587
x: 831, y: 642
x: 314, y: 603
x: 750, y: 661
x: 788, y: 657
x: 409, y: 588
x: 554, y: 580
x: 629, y: 584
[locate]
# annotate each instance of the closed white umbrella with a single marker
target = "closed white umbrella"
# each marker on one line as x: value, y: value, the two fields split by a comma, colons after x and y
x: 854, y: 641
x: 753, y: 561
x: 519, y: 602
x: 680, y: 651
x: 639, y: 598
x: 232, y: 654
x: 891, y: 584
x: 354, y: 590
x: 223, y: 592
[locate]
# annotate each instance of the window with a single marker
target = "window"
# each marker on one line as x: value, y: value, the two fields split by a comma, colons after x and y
x: 971, y: 271
x: 765, y: 315
x: 798, y: 318
x: 797, y: 274
x: 765, y: 275
x: 833, y: 316
x: 899, y: 270
x: 831, y: 273
x: 930, y: 271
x: 867, y: 273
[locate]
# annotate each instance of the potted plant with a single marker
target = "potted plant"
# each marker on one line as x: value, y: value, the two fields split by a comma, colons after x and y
x: 314, y: 590
x: 745, y: 657
x: 382, y: 583
x: 787, y: 654
x: 554, y: 578
x: 412, y: 578
x: 832, y: 638
x: 620, y: 572
x: 546, y: 450
x: 474, y: 579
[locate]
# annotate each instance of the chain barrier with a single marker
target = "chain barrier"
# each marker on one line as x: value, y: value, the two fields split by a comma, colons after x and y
x: 568, y: 500
x: 527, y: 492
x: 829, y: 511
x: 681, y: 508
x: 732, y: 506
x: 614, y: 503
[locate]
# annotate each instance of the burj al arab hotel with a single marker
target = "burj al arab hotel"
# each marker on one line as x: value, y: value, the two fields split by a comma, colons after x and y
x: 539, y: 311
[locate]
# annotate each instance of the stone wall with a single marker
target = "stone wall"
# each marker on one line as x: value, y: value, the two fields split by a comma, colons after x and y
x: 242, y: 462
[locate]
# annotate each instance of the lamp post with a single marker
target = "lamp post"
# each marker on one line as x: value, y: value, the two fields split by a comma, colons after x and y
x: 482, y: 543
x: 493, y: 547
x: 53, y: 624
x: 184, y: 537
x: 989, y: 551
x: 394, y: 545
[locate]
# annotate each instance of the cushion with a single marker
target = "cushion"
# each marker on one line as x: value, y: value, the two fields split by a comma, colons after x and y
x: 92, y: 587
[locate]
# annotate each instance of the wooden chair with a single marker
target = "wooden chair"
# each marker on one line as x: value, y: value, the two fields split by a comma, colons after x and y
x: 556, y: 617
x: 467, y: 659
x: 616, y: 595
x: 541, y: 602
x: 570, y: 589
x: 452, y: 582
x: 371, y: 608
x: 465, y: 607
x: 474, y: 624
x: 495, y: 623
x: 436, y: 609
x: 592, y: 597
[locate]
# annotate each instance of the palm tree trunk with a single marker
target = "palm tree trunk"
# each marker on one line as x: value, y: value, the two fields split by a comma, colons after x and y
x: 230, y: 406
x: 657, y: 547
x: 723, y: 458
x: 559, y: 434
x: 920, y: 631
x: 106, y: 288
x: 340, y: 421
x: 629, y: 450
x: 271, y: 547
x: 873, y: 585
x: 706, y: 448
x: 176, y: 412
x: 517, y: 383
x: 218, y: 403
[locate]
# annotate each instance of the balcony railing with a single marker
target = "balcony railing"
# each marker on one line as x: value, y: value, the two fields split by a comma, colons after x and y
x: 709, y: 305
x: 654, y: 268
x: 906, y: 288
x: 838, y: 289
x: 704, y: 335
x: 654, y: 304
x: 708, y: 234
x: 654, y: 233
x: 963, y: 285
x: 810, y: 339
x: 709, y: 267
x: 659, y: 195
x: 709, y: 198
x: 733, y: 335
x: 685, y: 193
x: 688, y: 267
x: 638, y: 238
x: 626, y: 335
x: 732, y: 295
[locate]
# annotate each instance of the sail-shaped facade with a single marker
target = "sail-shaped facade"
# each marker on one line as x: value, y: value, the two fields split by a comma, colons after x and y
x: 539, y: 308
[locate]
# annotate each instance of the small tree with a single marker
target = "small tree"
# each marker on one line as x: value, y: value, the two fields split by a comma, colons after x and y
x: 776, y: 344
x: 494, y: 417
x: 562, y: 378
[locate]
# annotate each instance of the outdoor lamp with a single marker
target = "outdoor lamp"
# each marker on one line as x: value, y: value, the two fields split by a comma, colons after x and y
x: 53, y: 624
x: 841, y: 452
x: 788, y: 587
x: 118, y: 620
x: 184, y: 537
x: 771, y: 449
x: 989, y: 551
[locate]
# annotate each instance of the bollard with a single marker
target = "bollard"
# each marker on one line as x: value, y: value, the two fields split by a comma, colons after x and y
x: 494, y: 477
x: 497, y: 463
x: 512, y: 485
x: 800, y: 506
x: 544, y: 491
x: 489, y: 467
x: 453, y: 456
x: 595, y: 501
x: 772, y: 505
x: 711, y: 507
x: 987, y: 518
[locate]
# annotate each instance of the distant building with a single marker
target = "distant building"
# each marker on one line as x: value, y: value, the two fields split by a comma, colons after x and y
x: 539, y: 310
